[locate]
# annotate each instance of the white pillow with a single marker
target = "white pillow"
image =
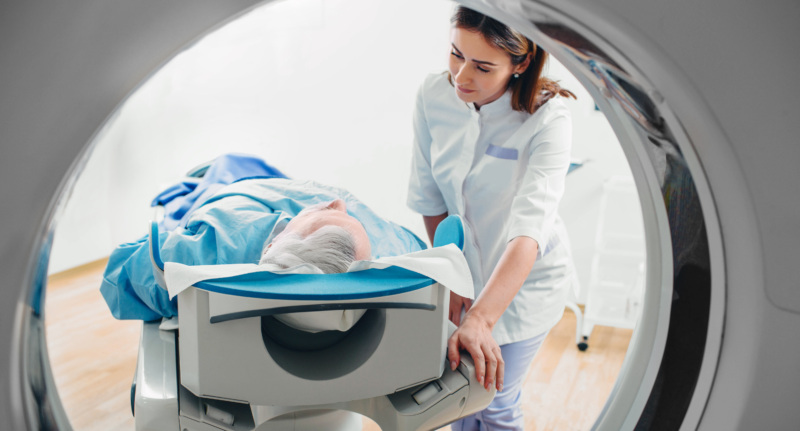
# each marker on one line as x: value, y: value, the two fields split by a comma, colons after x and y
x: 318, y: 321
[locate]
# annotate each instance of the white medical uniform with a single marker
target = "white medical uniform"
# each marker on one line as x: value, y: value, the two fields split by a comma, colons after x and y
x: 503, y: 171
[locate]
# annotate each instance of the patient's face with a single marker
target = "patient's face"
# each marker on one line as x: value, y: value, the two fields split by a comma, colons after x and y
x: 331, y: 213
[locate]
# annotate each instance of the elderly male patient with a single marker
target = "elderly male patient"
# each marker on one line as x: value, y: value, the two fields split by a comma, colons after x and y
x: 322, y: 236
x: 305, y: 224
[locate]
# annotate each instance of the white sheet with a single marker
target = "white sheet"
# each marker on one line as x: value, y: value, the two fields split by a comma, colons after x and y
x: 446, y: 265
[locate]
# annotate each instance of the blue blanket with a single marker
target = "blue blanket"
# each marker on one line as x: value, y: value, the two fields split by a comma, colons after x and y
x: 231, y: 227
x: 180, y: 200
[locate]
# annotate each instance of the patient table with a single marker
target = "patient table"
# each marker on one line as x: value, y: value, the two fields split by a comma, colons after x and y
x: 230, y: 364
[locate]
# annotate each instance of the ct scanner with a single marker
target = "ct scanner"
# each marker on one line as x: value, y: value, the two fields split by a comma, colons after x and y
x: 703, y: 98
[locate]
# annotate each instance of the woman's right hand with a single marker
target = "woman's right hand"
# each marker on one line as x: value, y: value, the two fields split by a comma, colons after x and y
x: 457, y: 303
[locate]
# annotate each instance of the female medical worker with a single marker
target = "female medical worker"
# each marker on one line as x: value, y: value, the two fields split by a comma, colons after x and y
x: 492, y: 144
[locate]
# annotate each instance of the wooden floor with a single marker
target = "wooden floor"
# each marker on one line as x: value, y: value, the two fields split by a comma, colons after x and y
x: 92, y: 355
x: 93, y: 359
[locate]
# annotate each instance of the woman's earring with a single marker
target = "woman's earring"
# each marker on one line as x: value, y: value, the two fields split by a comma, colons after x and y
x: 516, y: 75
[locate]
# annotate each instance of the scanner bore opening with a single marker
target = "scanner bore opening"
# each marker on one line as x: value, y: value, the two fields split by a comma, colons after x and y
x: 323, y: 355
x: 677, y: 222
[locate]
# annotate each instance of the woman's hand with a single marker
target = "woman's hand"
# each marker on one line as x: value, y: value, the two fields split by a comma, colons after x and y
x: 475, y: 336
x: 457, y: 302
x: 475, y: 332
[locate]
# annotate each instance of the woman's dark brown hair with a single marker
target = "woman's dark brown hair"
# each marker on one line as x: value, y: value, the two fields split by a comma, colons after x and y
x: 531, y: 89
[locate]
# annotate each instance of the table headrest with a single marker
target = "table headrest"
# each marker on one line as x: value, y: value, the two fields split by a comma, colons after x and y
x: 450, y: 231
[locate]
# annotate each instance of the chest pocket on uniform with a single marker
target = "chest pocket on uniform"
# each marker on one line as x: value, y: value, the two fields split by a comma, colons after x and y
x: 497, y: 170
x: 502, y: 152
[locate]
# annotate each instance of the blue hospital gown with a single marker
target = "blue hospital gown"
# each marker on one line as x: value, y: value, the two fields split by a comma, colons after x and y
x: 232, y: 227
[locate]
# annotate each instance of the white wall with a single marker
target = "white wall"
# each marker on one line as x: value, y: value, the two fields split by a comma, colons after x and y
x: 322, y: 89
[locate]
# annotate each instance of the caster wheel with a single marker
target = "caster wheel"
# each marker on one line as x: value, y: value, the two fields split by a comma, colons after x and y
x: 583, y: 345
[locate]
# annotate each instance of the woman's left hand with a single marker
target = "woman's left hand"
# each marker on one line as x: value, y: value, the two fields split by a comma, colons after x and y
x: 475, y: 336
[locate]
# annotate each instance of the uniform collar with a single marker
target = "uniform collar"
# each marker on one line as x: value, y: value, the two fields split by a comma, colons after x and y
x: 501, y: 106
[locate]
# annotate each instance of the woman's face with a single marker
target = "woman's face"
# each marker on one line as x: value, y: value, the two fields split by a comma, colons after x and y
x: 480, y: 71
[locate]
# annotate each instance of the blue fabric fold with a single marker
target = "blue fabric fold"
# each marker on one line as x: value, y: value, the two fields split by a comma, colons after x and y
x: 181, y: 199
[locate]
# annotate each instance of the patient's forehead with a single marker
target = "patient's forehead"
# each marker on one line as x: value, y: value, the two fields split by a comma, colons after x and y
x: 313, y: 217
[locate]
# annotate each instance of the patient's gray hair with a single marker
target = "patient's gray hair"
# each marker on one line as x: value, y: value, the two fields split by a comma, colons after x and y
x: 331, y: 249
